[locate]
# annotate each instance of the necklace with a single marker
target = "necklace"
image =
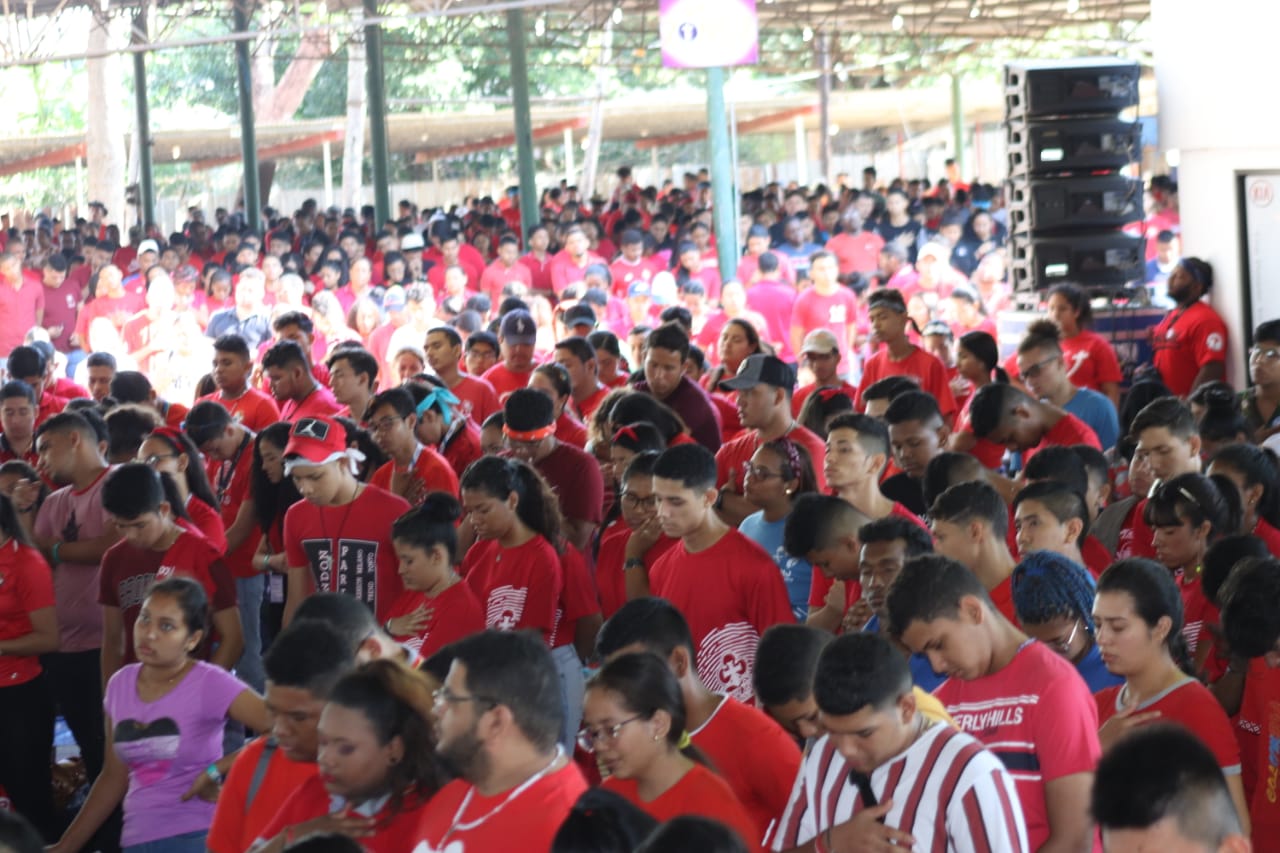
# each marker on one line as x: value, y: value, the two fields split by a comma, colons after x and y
x: 324, y: 528
x: 167, y: 681
x: 227, y: 469
x: 456, y: 825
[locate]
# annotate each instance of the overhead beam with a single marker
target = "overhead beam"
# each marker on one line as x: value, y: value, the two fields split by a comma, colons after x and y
x: 748, y: 126
x: 507, y: 139
x: 58, y: 157
x: 283, y: 149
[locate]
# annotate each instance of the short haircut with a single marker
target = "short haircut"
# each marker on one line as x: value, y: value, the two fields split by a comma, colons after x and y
x: 654, y: 623
x: 914, y: 406
x: 891, y: 528
x: 860, y: 670
x: 206, y: 421
x: 515, y: 669
x: 992, y: 405
x: 873, y: 435
x: 362, y: 362
x: 928, y: 588
x: 1058, y: 463
x: 692, y: 465
x: 817, y: 521
x: 966, y: 502
x: 1251, y: 611
x: 1168, y: 412
x: 1093, y: 460
x: 579, y: 348
x: 786, y: 660
x: 351, y: 618
x: 529, y: 409
x: 17, y: 388
x: 450, y: 333
x: 106, y: 359
x: 947, y: 469
x: 310, y: 655
x: 130, y: 386
x: 69, y: 422
x: 294, y: 318
x: 25, y: 362
x: 1062, y: 501
x: 1159, y: 772
x: 283, y: 354
x: 669, y: 336
x: 398, y: 399
x: 488, y: 339
x: 889, y: 388
x: 1267, y: 331
x: 233, y: 344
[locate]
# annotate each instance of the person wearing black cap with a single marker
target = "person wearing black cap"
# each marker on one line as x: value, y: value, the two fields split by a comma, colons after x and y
x: 764, y: 384
x: 529, y: 434
x: 517, y: 335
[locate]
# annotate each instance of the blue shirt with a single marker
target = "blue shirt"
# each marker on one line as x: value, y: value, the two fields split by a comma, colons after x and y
x: 796, y: 572
x: 1095, y: 673
x: 922, y: 674
x: 1097, y: 411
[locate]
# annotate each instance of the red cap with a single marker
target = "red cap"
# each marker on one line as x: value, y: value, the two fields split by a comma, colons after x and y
x: 315, y: 441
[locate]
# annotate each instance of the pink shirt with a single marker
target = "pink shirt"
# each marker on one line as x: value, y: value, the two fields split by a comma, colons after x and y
x: 71, y: 516
x: 836, y: 312
x: 775, y: 300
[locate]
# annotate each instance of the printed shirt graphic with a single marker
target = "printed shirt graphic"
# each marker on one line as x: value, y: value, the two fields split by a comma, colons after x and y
x: 1258, y: 733
x: 517, y: 587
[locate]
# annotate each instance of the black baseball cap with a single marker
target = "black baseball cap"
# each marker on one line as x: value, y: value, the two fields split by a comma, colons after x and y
x: 761, y: 368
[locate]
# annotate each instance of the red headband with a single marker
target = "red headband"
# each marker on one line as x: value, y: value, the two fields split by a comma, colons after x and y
x: 625, y: 432
x: 531, y: 434
x: 825, y: 394
x: 171, y: 435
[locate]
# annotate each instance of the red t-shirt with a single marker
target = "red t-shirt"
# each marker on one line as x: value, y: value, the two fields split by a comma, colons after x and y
x: 319, y: 403
x: 775, y: 301
x: 734, y: 455
x: 1002, y: 598
x: 856, y: 251
x: 570, y: 430
x: 26, y: 585
x: 820, y: 584
x: 238, y: 820
x: 518, y: 587
x: 1190, y: 704
x: 1185, y: 341
x: 1036, y: 715
x: 984, y: 450
x: 565, y: 272
x: 588, y: 407
x: 206, y: 521
x: 574, y: 475
x: 429, y: 468
x: 19, y: 307
x: 539, y: 270
x: 1096, y: 556
x: 578, y: 597
x: 1268, y: 534
x: 760, y: 776
x: 920, y: 365
x: 1137, y: 539
x: 1069, y: 430
x: 729, y: 593
x: 255, y: 409
x: 496, y: 276
x: 459, y: 819
x: 504, y: 380
x: 128, y: 572
x: 453, y: 614
x: 836, y: 312
x: 698, y: 792
x: 1090, y: 361
x: 312, y: 800
x: 348, y: 548
x: 232, y: 482
x: 802, y: 394
x: 461, y: 446
x: 610, y: 574
x: 625, y: 274
x: 1257, y: 729
x: 118, y: 309
x: 476, y: 397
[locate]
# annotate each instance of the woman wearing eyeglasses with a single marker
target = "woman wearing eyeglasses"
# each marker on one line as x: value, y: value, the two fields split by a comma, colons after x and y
x: 1138, y: 612
x: 171, y: 452
x: 634, y: 722
x: 1261, y: 403
x: 1186, y: 514
x: 1053, y: 597
x: 631, y: 545
x: 778, y: 473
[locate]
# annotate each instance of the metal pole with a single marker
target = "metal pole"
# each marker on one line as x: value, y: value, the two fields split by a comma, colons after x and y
x: 248, y: 134
x: 824, y: 105
x: 570, y: 168
x: 326, y: 152
x: 723, y: 185
x: 957, y: 123
x: 523, y: 121
x: 802, y: 152
x: 146, y: 181
x: 377, y: 117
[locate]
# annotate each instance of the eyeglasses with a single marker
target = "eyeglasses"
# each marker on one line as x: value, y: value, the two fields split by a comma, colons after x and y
x: 155, y: 458
x: 1261, y: 354
x: 588, y: 737
x: 633, y: 501
x: 1064, y: 646
x: 384, y: 424
x: 444, y: 696
x: 755, y: 472
x: 1034, y: 370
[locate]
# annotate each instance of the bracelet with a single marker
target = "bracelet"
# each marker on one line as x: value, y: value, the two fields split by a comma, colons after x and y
x: 53, y: 553
x: 212, y: 772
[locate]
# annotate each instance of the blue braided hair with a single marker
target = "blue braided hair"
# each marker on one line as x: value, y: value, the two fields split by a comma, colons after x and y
x: 1047, y: 585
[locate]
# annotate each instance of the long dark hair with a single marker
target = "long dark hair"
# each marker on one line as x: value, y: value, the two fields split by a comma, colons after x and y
x: 134, y: 489
x: 753, y: 338
x: 645, y: 685
x: 1257, y: 465
x: 536, y: 504
x: 197, y: 479
x: 1078, y: 300
x: 983, y: 347
x: 1194, y: 499
x: 637, y: 406
x: 1155, y: 594
x: 271, y: 500
x: 10, y: 526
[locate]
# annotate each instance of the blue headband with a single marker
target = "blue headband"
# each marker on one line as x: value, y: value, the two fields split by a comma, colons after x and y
x: 445, y: 398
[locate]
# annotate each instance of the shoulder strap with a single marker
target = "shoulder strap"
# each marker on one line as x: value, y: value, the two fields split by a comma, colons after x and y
x: 260, y: 771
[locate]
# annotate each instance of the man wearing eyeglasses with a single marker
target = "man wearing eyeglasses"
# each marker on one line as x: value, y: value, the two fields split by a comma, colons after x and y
x: 1260, y: 405
x: 1043, y: 369
x: 413, y: 470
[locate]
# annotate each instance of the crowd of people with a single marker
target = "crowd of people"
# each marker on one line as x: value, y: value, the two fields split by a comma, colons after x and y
x: 455, y: 534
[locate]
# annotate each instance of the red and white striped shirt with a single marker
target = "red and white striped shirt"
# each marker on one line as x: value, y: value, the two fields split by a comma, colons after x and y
x: 948, y: 792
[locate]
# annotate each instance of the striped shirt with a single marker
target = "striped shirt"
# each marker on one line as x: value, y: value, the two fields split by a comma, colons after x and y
x: 948, y: 792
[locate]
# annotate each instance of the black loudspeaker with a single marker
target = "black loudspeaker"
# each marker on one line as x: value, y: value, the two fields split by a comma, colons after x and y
x: 1043, y: 205
x: 1072, y: 145
x: 1071, y: 87
x: 1108, y: 260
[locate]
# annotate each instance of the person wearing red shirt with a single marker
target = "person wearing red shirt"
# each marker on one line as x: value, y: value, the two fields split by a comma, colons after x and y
x: 1138, y: 610
x: 369, y: 780
x: 476, y: 397
x: 153, y: 546
x: 450, y: 253
x: 820, y: 353
x: 970, y: 524
x: 21, y: 302
x: 517, y: 336
x: 111, y: 302
x: 413, y: 470
x: 856, y: 249
x: 757, y: 247
x: 63, y: 294
x: 898, y: 356
x: 569, y: 264
x: 441, y: 426
x: 1090, y: 358
x: 1027, y: 704
x: 763, y: 386
x: 28, y: 629
x: 578, y: 357
x: 232, y: 367
x: 28, y: 364
x: 631, y: 545
x: 537, y: 259
x: 292, y: 383
x: 336, y: 539
x: 303, y: 664
x: 553, y: 380
x: 774, y: 300
x: 631, y: 265
x: 507, y: 269
x: 718, y: 725
x: 827, y: 305
x: 1051, y: 516
x: 515, y: 781
x: 1254, y: 474
x: 1169, y: 443
x: 728, y: 588
x: 18, y: 422
x: 1009, y: 416
x: 353, y: 379
x: 1190, y: 343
